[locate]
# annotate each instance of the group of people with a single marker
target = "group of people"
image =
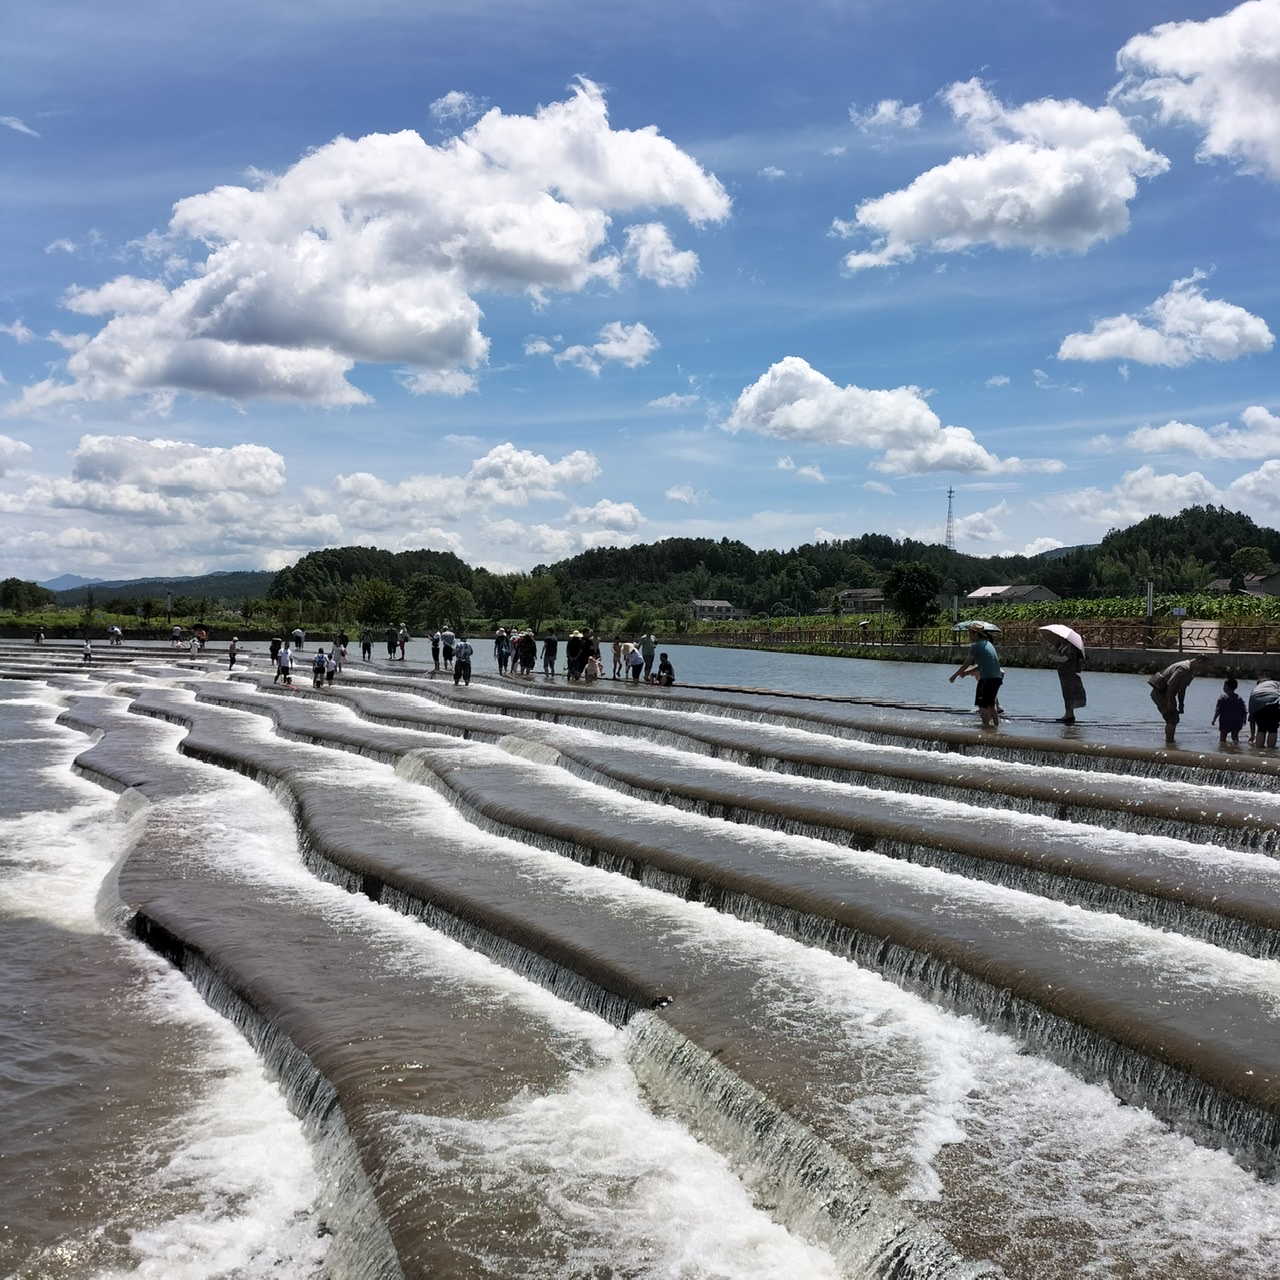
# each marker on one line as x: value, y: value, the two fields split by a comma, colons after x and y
x: 198, y: 638
x: 517, y: 652
x: 397, y: 639
x: 1231, y: 713
x: 1168, y: 691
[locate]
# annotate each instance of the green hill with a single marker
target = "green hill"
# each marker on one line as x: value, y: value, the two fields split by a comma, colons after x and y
x: 228, y: 590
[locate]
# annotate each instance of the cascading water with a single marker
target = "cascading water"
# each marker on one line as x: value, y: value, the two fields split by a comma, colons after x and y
x: 754, y: 1022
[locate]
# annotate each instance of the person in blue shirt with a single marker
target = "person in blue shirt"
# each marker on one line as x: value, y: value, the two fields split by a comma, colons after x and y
x: 985, y: 663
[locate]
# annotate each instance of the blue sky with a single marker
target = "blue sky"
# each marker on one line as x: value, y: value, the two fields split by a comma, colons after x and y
x: 516, y: 280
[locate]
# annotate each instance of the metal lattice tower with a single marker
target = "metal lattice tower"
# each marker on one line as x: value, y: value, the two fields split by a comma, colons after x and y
x: 951, y: 520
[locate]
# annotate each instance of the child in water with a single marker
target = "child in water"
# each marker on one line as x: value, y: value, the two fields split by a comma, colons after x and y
x: 1230, y: 713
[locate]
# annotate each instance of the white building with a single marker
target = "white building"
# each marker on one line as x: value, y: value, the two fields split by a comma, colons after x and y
x: 711, y: 610
x: 1009, y: 595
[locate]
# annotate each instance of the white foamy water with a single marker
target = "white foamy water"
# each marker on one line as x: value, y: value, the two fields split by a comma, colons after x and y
x: 622, y: 1188
x: 953, y: 1116
x: 625, y: 1192
x: 218, y: 1181
x: 1042, y: 1147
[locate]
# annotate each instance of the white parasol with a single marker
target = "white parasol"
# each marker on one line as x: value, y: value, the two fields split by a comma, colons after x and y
x: 989, y: 627
x: 1064, y: 633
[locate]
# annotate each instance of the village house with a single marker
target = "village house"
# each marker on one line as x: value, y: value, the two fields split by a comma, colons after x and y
x: 1255, y: 584
x: 1026, y: 594
x: 712, y: 610
x: 861, y: 600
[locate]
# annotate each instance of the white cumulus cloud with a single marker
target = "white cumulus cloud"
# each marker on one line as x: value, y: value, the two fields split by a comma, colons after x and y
x: 674, y: 401
x: 17, y: 331
x: 11, y: 452
x: 375, y: 250
x: 1258, y: 491
x: 1260, y: 437
x: 1142, y: 492
x: 161, y: 482
x: 456, y: 105
x: 1048, y: 176
x: 686, y: 494
x: 649, y: 247
x: 617, y: 517
x: 1178, y: 328
x: 506, y: 476
x: 981, y: 526
x: 888, y: 113
x: 1221, y: 76
x: 793, y: 401
x: 628, y: 344
x: 1035, y: 547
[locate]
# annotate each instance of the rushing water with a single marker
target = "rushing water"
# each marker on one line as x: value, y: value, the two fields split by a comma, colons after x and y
x: 730, y: 1132
x: 142, y: 1138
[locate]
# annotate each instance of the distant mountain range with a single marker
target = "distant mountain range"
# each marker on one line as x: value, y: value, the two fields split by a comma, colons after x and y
x: 67, y: 582
x: 231, y: 586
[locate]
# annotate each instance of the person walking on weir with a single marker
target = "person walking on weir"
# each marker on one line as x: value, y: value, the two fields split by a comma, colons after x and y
x: 984, y: 662
x: 462, y: 661
x: 1169, y: 689
x: 648, y: 645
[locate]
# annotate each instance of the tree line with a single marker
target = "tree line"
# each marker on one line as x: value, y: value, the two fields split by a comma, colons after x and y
x: 631, y: 588
x: 656, y: 581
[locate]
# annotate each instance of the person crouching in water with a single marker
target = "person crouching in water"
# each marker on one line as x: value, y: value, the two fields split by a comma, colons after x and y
x: 1169, y: 690
x: 985, y: 663
x: 666, y: 673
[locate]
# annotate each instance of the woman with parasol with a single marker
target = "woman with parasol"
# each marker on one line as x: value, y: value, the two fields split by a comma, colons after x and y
x: 1066, y: 648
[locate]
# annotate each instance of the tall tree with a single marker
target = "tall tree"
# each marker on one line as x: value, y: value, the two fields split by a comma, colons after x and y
x: 911, y: 591
x: 374, y: 602
x: 536, y: 600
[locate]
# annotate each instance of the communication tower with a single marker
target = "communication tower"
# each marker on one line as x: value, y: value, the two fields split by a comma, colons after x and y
x: 951, y: 520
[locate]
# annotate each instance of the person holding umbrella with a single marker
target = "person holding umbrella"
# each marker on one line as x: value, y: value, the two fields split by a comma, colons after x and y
x: 1066, y: 648
x: 984, y: 662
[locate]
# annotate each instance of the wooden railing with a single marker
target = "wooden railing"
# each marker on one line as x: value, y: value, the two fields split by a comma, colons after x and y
x: 1164, y: 634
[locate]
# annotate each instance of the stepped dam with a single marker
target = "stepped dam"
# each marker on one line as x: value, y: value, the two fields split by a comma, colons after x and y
x: 569, y: 980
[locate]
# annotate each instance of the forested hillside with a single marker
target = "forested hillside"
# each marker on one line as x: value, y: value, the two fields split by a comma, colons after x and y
x: 1180, y: 553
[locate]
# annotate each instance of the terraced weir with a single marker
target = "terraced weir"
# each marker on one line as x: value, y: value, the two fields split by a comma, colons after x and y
x: 942, y: 1005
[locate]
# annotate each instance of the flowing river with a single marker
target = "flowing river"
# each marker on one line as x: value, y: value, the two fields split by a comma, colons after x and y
x: 802, y: 974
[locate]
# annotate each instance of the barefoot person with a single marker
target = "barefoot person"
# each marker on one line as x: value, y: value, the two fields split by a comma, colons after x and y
x: 1068, y: 659
x: 1264, y: 712
x: 984, y: 662
x: 1169, y: 689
